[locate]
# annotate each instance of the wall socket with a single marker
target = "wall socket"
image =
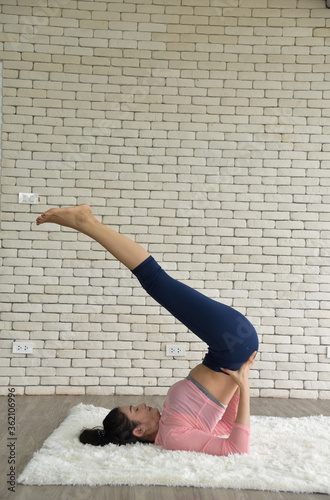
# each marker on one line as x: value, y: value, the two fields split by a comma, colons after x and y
x: 328, y: 352
x: 29, y: 198
x: 175, y: 350
x: 22, y: 348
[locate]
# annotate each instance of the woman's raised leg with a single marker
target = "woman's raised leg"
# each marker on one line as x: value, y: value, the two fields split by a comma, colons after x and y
x: 81, y: 218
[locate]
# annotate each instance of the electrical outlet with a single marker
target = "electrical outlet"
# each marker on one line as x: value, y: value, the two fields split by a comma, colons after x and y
x: 328, y: 352
x: 22, y: 348
x: 29, y: 198
x: 175, y: 350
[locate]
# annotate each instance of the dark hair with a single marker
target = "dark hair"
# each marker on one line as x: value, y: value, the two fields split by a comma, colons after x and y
x: 117, y: 429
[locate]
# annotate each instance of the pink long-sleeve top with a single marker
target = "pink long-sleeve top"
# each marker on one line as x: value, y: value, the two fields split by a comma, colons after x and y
x: 192, y: 421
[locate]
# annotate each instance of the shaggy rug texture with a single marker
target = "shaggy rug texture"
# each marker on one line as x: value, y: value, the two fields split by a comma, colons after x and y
x: 287, y: 454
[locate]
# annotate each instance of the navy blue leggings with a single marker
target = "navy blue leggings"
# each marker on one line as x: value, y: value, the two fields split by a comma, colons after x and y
x: 230, y: 337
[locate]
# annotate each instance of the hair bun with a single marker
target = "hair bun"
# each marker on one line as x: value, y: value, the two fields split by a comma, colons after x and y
x: 96, y: 437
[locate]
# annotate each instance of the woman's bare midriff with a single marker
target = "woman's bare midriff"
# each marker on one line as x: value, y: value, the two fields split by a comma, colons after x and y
x: 220, y: 385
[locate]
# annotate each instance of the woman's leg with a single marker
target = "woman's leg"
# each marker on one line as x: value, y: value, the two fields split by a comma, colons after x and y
x: 81, y: 219
x: 230, y: 336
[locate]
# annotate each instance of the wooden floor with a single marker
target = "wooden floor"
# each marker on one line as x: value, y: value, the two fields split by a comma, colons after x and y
x: 38, y: 416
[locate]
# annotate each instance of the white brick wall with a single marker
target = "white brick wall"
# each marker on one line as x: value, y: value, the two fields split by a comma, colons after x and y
x: 198, y: 127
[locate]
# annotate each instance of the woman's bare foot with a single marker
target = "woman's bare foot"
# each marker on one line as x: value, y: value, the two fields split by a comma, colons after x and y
x: 73, y: 217
x: 81, y: 219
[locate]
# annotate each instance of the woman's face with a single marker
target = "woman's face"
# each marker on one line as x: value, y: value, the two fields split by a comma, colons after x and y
x: 147, y: 419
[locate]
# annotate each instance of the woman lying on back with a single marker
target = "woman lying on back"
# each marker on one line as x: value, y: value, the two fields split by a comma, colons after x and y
x: 214, y: 400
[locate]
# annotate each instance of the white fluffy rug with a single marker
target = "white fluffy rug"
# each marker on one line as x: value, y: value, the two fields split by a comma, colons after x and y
x: 287, y: 454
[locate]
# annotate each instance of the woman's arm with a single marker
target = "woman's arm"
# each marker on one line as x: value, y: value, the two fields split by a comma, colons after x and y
x: 241, y: 377
x: 243, y: 412
x: 225, y: 425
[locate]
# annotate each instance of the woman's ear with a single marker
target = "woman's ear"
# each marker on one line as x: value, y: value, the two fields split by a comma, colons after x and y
x: 138, y: 431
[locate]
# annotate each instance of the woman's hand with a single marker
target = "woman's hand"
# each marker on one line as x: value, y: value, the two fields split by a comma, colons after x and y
x: 241, y: 376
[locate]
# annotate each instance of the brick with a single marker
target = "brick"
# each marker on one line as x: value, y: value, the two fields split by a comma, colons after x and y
x: 40, y: 390
x: 70, y: 390
x: 127, y: 391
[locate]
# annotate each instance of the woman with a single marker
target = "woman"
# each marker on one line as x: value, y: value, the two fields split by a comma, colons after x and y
x: 214, y: 399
